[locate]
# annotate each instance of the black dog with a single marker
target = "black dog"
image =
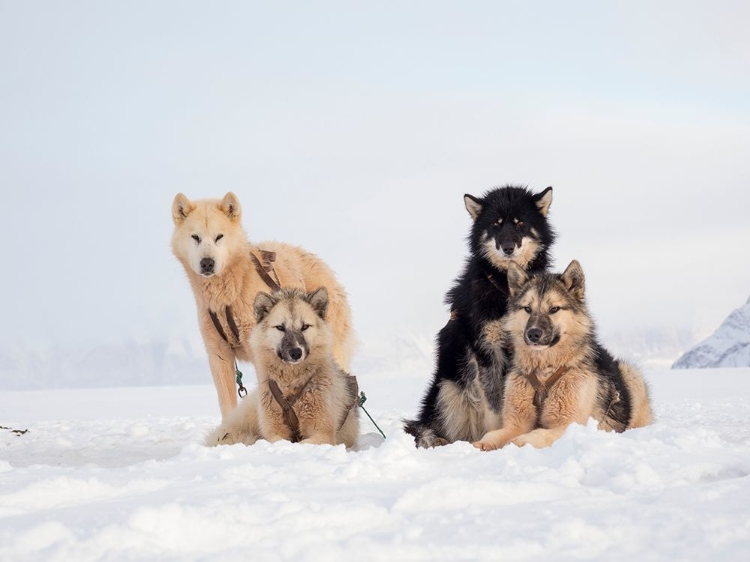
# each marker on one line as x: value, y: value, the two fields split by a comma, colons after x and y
x: 464, y: 399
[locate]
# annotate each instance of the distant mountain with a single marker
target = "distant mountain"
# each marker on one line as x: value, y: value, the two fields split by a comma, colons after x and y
x: 729, y: 346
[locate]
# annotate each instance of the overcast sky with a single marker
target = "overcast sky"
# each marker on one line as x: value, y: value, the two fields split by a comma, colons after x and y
x: 354, y: 129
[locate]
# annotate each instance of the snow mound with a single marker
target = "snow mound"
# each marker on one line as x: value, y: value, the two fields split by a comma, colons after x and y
x: 729, y: 346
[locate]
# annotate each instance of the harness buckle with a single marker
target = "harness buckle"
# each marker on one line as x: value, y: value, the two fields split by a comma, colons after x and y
x: 241, y: 391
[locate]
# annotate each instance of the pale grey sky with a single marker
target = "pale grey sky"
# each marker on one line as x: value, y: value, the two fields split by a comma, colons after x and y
x: 354, y: 129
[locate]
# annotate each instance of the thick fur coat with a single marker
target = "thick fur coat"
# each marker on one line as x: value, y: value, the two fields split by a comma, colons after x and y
x: 550, y: 328
x: 464, y: 398
x: 292, y: 345
x: 212, y: 246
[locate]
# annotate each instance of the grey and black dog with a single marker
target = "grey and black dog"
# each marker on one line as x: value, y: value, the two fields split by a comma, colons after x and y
x: 464, y: 398
x: 560, y: 374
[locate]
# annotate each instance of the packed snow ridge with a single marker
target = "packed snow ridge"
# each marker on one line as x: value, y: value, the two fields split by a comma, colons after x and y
x: 729, y: 346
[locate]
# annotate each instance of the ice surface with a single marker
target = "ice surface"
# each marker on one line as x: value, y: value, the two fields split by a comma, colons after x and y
x: 118, y: 474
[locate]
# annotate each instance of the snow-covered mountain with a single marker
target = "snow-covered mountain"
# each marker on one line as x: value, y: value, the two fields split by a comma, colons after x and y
x: 729, y: 346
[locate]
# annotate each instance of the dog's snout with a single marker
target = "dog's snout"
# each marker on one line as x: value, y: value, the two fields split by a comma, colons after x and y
x: 207, y: 265
x: 534, y: 335
x: 295, y: 353
x: 508, y: 248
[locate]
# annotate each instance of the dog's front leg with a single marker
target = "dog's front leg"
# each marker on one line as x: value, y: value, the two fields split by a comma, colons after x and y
x: 518, y: 417
x: 540, y: 438
x: 498, y: 438
x: 321, y: 439
x: 319, y: 432
x: 221, y: 362
x: 323, y: 434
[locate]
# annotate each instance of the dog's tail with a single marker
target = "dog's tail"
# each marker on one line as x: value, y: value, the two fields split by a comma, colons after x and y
x: 424, y: 436
x: 641, y: 413
x: 412, y: 427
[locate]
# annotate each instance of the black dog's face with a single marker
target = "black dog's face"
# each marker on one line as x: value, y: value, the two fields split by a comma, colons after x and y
x: 510, y: 225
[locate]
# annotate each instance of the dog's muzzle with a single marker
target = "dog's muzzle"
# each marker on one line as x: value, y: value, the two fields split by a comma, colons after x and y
x: 207, y: 266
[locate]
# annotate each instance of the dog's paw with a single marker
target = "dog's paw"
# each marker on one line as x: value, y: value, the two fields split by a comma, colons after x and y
x: 522, y: 441
x: 536, y: 440
x: 485, y: 445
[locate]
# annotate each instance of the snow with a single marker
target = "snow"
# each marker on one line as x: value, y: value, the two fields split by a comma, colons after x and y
x: 728, y: 346
x: 119, y: 474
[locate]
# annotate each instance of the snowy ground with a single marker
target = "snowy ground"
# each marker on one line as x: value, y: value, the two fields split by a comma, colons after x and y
x: 118, y: 474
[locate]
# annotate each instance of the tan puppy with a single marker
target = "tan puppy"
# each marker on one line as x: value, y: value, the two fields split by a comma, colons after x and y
x: 556, y: 355
x: 291, y: 343
x: 213, y: 248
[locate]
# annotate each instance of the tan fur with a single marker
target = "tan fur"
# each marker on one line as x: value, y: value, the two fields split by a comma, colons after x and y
x: 473, y: 206
x: 467, y: 414
x: 325, y: 400
x: 524, y: 255
x: 544, y: 203
x: 236, y: 284
x: 643, y: 414
x: 575, y: 396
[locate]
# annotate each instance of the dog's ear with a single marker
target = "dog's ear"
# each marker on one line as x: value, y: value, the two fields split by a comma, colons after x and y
x: 181, y: 208
x: 318, y: 299
x: 473, y: 205
x: 230, y: 205
x: 517, y: 278
x: 263, y: 305
x: 574, y: 280
x: 543, y: 200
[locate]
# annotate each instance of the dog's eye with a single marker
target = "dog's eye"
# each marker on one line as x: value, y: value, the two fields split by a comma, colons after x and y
x: 219, y: 237
x: 554, y: 309
x: 519, y: 225
x: 497, y: 223
x: 305, y: 327
x: 280, y: 328
x: 197, y: 238
x: 527, y: 309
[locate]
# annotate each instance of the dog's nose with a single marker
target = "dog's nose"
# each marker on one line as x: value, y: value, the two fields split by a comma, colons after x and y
x: 508, y: 248
x: 295, y: 353
x: 534, y: 334
x: 207, y: 265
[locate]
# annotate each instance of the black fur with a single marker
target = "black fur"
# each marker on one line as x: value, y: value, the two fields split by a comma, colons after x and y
x: 614, y: 396
x: 480, y: 296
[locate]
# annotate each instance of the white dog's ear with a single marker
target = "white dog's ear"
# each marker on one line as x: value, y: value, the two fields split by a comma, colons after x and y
x: 473, y: 205
x: 318, y: 299
x: 517, y: 278
x: 231, y: 206
x: 181, y: 208
x: 543, y: 200
x: 263, y: 305
x: 574, y: 280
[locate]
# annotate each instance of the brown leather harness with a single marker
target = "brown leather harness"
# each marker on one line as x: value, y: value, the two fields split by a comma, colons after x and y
x: 287, y: 404
x: 541, y: 389
x: 287, y: 407
x: 264, y: 267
